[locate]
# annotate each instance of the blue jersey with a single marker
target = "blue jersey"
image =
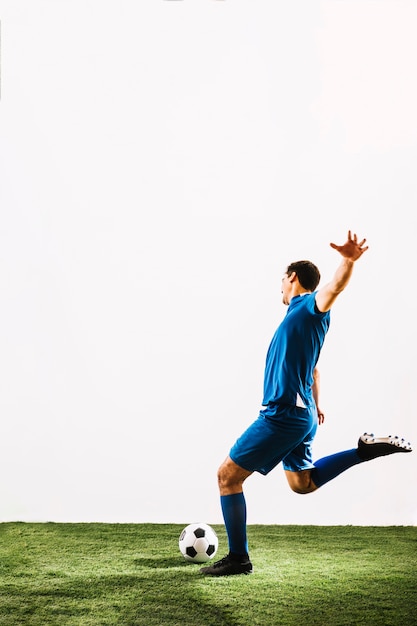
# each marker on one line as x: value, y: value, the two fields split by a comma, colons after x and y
x: 294, y: 352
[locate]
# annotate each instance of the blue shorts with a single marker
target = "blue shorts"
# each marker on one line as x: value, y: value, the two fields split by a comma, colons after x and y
x: 281, y: 433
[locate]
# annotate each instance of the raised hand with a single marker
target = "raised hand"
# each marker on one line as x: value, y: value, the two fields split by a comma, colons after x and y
x: 352, y: 249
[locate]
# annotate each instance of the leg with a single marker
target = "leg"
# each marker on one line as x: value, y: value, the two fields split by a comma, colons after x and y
x: 251, y: 450
x: 230, y: 479
x: 300, y: 482
x: 327, y: 468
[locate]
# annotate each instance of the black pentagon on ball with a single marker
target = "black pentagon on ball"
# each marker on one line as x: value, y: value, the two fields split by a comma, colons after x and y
x: 199, y: 532
x: 210, y: 550
x: 191, y: 552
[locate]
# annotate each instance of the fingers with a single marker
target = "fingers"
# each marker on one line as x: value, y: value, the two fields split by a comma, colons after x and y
x: 354, y: 239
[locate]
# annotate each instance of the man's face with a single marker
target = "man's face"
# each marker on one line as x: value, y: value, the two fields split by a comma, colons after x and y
x: 285, y: 289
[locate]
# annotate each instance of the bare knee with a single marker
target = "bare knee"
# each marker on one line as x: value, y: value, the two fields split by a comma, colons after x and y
x: 223, y: 479
x: 230, y: 477
x: 228, y: 480
x: 300, y: 482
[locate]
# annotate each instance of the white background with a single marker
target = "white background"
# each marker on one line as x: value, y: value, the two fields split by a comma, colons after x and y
x: 162, y: 162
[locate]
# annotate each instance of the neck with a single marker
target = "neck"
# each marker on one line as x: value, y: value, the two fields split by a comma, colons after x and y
x: 298, y: 292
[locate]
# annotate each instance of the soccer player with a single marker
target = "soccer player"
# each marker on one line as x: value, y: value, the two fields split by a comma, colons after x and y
x: 285, y: 429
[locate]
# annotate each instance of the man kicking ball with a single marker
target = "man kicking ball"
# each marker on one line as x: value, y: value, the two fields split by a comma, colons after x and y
x: 285, y: 429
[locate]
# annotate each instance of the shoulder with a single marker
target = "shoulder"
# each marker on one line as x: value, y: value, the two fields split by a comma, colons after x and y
x: 312, y: 305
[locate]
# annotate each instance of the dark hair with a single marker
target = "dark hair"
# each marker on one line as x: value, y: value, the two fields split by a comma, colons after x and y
x: 308, y: 274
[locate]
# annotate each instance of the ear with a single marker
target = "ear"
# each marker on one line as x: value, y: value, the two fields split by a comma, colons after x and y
x: 292, y: 277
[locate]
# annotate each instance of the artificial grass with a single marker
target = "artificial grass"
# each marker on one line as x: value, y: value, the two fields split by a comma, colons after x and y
x: 133, y: 574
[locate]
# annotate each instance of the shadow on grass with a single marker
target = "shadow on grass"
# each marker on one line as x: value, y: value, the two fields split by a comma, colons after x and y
x: 171, y: 595
x: 159, y: 563
x: 150, y: 598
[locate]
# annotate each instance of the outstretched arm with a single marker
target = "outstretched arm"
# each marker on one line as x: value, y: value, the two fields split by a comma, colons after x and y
x: 351, y: 251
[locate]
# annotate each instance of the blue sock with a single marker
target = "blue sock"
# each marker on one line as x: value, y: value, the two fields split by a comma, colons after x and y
x: 234, y: 515
x: 329, y: 467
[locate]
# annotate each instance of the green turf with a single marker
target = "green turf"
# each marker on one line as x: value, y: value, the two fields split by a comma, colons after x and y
x: 133, y: 574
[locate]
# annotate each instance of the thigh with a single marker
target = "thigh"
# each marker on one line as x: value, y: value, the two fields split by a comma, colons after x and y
x: 269, y: 440
x: 301, y: 457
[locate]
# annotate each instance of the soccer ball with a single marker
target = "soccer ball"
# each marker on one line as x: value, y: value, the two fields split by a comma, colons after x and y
x: 198, y: 543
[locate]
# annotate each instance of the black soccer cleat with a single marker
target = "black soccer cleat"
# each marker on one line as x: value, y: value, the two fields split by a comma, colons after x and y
x: 371, y: 447
x: 228, y: 567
